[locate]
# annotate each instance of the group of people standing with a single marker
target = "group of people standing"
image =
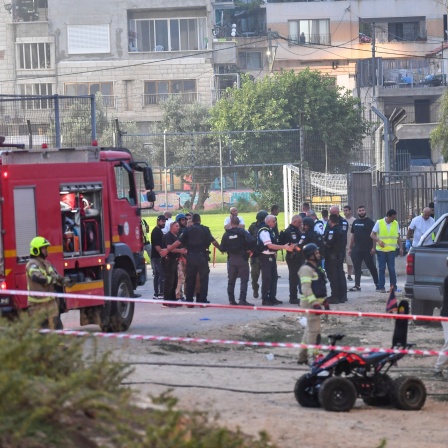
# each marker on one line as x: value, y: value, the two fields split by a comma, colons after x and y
x: 179, y: 256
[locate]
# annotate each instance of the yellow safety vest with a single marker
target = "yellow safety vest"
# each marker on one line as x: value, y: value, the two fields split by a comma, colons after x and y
x: 388, y: 237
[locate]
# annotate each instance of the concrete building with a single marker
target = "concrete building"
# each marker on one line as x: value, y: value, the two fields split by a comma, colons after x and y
x: 343, y: 38
x: 136, y: 53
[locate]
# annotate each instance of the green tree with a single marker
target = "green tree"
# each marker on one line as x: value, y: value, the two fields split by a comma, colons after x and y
x: 439, y: 135
x: 189, y: 146
x: 328, y: 114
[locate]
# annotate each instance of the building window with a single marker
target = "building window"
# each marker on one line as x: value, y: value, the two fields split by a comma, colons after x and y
x: 250, y: 60
x: 37, y: 90
x: 405, y: 32
x: 88, y: 39
x: 157, y: 91
x: 34, y: 56
x: 407, y: 29
x: 167, y: 34
x: 309, y: 32
x: 88, y: 88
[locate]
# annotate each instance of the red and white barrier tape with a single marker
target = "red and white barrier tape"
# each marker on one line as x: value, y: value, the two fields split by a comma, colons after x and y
x: 217, y: 305
x: 345, y: 348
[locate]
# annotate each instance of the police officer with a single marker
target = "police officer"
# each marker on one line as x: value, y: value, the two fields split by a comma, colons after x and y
x: 309, y: 235
x: 314, y: 291
x: 255, y: 267
x: 237, y: 243
x: 41, y: 276
x: 335, y: 244
x: 269, y: 275
x: 294, y: 260
x: 196, y: 239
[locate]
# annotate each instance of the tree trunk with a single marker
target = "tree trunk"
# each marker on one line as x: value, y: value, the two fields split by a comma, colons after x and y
x: 193, y: 195
x: 202, y: 196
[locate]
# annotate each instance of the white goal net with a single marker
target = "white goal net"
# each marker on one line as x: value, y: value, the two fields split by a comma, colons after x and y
x: 320, y: 190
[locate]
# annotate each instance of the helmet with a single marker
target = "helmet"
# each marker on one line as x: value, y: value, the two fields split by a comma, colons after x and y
x: 261, y: 215
x: 36, y: 244
x: 308, y: 222
x: 180, y: 216
x: 309, y: 250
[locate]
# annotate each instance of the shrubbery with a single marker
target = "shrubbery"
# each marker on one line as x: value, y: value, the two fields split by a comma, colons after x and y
x: 55, y: 393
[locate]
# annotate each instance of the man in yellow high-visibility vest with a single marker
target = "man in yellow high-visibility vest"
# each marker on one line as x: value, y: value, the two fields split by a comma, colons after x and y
x: 386, y: 234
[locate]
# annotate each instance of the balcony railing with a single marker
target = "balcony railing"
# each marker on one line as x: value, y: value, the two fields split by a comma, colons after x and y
x: 157, y: 98
x: 309, y: 39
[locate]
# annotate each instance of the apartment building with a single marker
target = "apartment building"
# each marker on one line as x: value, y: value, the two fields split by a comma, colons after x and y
x: 136, y: 53
x: 388, y: 52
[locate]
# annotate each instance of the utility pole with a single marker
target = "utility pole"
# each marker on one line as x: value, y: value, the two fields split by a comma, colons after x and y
x: 270, y: 57
x: 373, y: 60
x: 302, y: 157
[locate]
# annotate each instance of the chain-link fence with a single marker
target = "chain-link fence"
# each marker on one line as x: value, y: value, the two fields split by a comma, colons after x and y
x: 54, y: 120
x: 213, y: 169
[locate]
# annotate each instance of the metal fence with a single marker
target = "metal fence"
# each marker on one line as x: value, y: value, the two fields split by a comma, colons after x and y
x: 216, y: 168
x: 55, y: 120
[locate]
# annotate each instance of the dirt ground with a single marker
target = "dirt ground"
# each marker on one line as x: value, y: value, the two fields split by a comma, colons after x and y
x: 242, y: 388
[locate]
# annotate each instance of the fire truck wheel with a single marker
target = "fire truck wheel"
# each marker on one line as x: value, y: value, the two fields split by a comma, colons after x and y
x: 121, y: 313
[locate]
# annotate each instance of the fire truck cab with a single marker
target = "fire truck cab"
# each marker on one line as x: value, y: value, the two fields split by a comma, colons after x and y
x: 85, y: 202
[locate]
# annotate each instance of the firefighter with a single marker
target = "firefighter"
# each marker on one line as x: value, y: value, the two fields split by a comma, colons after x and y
x: 41, y: 276
x: 314, y: 292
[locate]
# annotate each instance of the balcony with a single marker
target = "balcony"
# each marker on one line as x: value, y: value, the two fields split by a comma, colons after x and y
x: 154, y: 99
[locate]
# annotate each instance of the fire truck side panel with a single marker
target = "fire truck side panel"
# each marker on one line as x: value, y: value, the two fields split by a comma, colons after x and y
x: 86, y: 205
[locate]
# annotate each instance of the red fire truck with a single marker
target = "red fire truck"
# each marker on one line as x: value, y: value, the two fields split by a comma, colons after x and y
x: 85, y: 201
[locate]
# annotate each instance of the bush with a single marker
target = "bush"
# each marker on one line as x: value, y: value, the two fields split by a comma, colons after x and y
x: 55, y: 393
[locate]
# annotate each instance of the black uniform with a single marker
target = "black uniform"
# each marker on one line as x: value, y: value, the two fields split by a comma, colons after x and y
x: 335, y: 244
x: 361, y: 230
x: 197, y: 239
x: 237, y: 242
x: 156, y: 261
x: 294, y: 260
x: 169, y: 265
x: 269, y: 273
x: 255, y: 268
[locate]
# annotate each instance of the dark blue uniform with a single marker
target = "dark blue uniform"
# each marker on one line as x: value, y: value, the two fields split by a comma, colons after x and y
x: 197, y: 239
x: 237, y: 242
x: 293, y: 235
x: 335, y: 243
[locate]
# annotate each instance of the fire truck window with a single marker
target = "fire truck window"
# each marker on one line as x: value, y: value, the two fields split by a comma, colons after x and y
x: 81, y: 213
x: 125, y: 185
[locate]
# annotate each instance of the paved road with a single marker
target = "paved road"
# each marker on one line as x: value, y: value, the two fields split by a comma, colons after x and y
x: 155, y: 319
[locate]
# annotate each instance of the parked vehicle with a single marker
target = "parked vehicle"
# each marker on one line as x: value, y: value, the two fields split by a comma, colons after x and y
x: 85, y: 201
x: 426, y: 269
